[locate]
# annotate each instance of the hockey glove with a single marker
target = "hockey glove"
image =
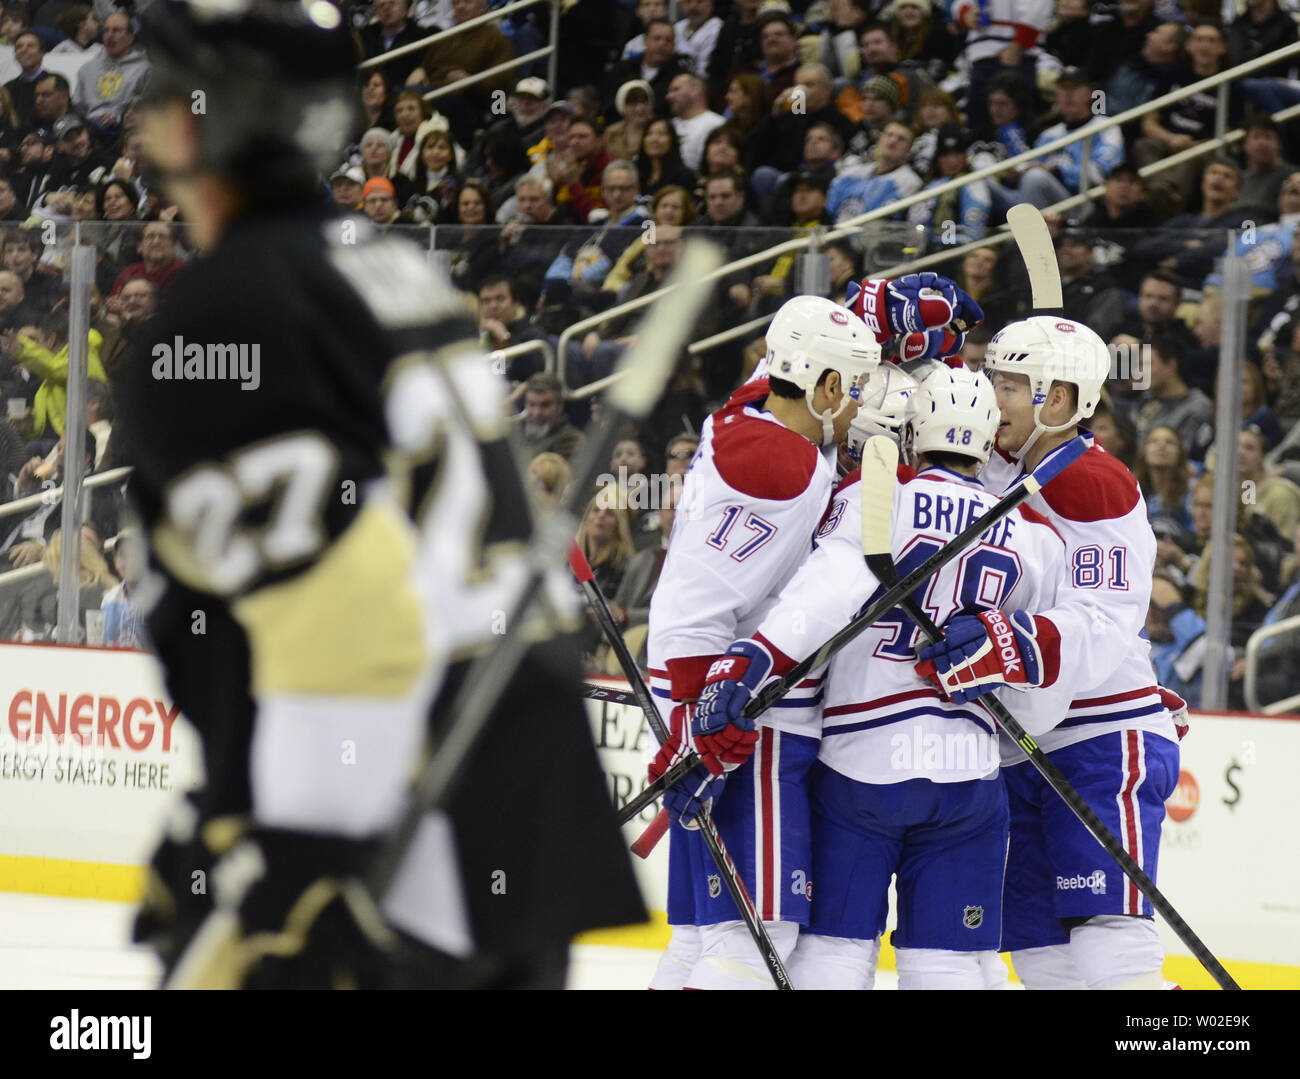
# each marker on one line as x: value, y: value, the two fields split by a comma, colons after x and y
x: 913, y: 303
x: 722, y: 735
x: 980, y: 653
x: 931, y: 345
x: 687, y: 798
x: 1177, y: 710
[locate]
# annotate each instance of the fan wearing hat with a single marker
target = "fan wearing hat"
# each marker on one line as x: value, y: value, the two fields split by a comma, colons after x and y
x: 526, y: 111
x: 658, y: 66
x: 962, y: 215
x: 346, y: 184
x: 1089, y: 295
x: 76, y: 160
x: 634, y: 101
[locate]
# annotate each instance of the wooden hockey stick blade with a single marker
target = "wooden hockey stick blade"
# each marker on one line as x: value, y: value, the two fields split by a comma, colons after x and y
x: 649, y: 839
x: 879, y: 476
x: 1039, y: 253
x: 644, y: 368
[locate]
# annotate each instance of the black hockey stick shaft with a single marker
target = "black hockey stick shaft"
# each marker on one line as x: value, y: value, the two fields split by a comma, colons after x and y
x: 708, y: 829
x: 1030, y: 485
x: 881, y: 564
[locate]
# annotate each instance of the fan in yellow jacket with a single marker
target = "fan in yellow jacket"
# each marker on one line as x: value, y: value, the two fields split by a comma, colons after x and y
x: 43, y: 353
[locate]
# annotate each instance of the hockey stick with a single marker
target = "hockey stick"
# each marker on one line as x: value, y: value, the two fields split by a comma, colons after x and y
x: 708, y: 829
x: 643, y: 371
x: 1039, y: 253
x: 879, y: 476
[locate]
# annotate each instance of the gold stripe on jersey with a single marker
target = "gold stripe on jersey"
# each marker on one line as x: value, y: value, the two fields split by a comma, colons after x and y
x: 350, y: 626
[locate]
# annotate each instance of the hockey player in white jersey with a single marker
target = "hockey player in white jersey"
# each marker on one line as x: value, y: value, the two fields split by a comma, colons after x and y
x: 755, y: 492
x: 1071, y: 918
x: 907, y: 782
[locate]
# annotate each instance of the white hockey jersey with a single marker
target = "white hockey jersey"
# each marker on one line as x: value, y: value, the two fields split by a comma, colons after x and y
x: 1098, y: 509
x: 882, y: 722
x: 754, y: 495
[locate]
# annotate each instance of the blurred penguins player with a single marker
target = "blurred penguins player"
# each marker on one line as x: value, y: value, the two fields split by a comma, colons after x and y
x: 314, y: 511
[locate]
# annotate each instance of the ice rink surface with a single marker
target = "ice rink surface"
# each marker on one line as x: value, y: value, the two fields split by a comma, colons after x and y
x: 48, y: 943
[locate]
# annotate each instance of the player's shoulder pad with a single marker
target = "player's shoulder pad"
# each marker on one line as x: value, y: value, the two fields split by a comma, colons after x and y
x: 1097, y: 487
x: 906, y: 473
x: 395, y: 282
x: 847, y: 482
x: 760, y: 458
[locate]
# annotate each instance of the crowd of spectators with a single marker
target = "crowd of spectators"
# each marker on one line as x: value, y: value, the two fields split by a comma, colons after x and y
x: 750, y: 121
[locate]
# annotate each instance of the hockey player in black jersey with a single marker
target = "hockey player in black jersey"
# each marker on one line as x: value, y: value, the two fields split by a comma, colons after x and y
x: 322, y: 473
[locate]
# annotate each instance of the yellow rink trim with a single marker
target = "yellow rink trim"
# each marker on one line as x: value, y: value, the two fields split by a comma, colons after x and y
x: 125, y: 884
x: 1182, y: 969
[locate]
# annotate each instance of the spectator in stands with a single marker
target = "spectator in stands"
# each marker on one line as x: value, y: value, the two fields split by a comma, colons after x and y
x: 1185, y: 123
x: 1113, y: 429
x: 1090, y: 296
x: 505, y: 161
x: 379, y: 203
x: 42, y: 284
x: 657, y: 65
x: 738, y: 50
x: 10, y: 208
x: 115, y: 204
x: 527, y: 110
x: 822, y: 150
x: 30, y: 56
x: 959, y: 216
x: 413, y: 117
x: 886, y: 179
x: 76, y: 160
x: 1254, y: 404
x: 1170, y: 402
x: 934, y: 109
x: 1189, y: 243
x: 577, y: 173
x: 587, y: 259
x: 631, y: 603
x: 1164, y: 475
x: 504, y: 322
x: 1265, y: 171
x: 1155, y: 70
x: 646, y: 10
x: 881, y: 59
x: 776, y: 145
x: 393, y: 27
x: 724, y: 202
x: 158, y: 260
x: 1273, y: 496
x: 127, y: 320
x: 672, y: 207
x: 112, y: 79
x: 41, y: 347
x: 548, y: 479
x: 679, y: 453
x: 692, y: 118
x: 778, y: 43
x: 697, y: 35
x: 435, y: 180
x: 1177, y: 635
x: 746, y: 102
x: 14, y: 310
x: 1264, y: 28
x: 1118, y: 34
x: 346, y: 183
x: 1055, y: 177
x: 808, y: 210
x: 605, y: 538
x: 1250, y: 606
x: 723, y: 149
x: 635, y: 103
x: 542, y: 427
x: 922, y: 38
x: 470, y: 52
x: 526, y: 245
x: 837, y: 41
x: 53, y: 99
x: 376, y: 153
x: 659, y: 162
x: 998, y: 38
x: 474, y: 253
x: 123, y: 617
x: 80, y: 29
x: 1279, y: 657
x: 376, y: 101
x: 978, y: 276
x: 37, y: 607
x: 1159, y: 294
x: 1070, y: 40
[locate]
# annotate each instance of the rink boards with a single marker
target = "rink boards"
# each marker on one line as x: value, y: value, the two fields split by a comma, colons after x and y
x: 92, y: 753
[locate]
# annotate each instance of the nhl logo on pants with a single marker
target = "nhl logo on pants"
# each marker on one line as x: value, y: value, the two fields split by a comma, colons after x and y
x: 972, y: 917
x: 715, y: 886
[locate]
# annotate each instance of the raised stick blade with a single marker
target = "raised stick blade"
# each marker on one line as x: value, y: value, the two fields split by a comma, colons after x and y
x: 1039, y: 253
x: 662, y: 334
x: 879, y: 478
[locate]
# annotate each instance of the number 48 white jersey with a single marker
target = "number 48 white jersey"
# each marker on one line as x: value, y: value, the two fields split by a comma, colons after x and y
x: 882, y: 722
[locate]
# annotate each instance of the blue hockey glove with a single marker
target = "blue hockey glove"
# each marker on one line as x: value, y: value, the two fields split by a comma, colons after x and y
x: 980, y: 653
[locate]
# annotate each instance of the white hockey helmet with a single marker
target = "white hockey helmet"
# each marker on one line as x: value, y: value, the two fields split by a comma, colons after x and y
x: 811, y: 334
x: 1049, y: 349
x: 954, y: 410
x: 882, y: 410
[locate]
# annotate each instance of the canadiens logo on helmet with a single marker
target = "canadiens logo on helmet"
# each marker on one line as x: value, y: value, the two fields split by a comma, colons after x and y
x: 840, y: 317
x: 1065, y: 327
